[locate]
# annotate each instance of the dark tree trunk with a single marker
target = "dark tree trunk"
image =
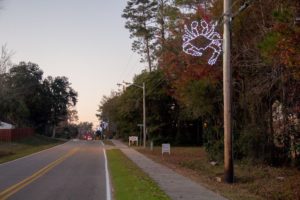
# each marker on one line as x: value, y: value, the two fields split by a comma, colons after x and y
x: 148, y: 55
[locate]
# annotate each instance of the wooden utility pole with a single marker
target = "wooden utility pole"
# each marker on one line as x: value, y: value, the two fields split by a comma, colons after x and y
x: 227, y: 94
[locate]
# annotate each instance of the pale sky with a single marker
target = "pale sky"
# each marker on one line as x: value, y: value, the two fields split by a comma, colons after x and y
x: 84, y: 40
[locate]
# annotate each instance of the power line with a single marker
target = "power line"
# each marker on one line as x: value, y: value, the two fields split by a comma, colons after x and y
x: 220, y: 21
x: 133, y: 67
x: 160, y: 81
x: 126, y: 67
x: 246, y: 4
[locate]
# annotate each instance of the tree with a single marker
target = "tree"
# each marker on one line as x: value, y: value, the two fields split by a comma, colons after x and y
x: 140, y: 16
x: 29, y: 100
x: 265, y: 63
x: 20, y: 93
x: 72, y: 115
x: 0, y: 4
x: 67, y: 131
x: 264, y: 73
x: 166, y: 17
x: 61, y: 95
x: 85, y: 127
x: 5, y: 60
x: 125, y: 111
x: 5, y: 64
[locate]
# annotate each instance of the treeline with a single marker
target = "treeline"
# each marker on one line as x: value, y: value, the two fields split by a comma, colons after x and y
x: 27, y: 99
x: 184, y: 93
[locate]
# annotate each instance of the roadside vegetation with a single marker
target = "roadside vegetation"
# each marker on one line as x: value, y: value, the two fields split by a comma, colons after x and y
x: 28, y: 99
x: 129, y: 181
x: 17, y: 149
x: 252, y: 181
x: 184, y: 94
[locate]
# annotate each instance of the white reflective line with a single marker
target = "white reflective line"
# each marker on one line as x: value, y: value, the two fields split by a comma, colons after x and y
x: 108, y: 190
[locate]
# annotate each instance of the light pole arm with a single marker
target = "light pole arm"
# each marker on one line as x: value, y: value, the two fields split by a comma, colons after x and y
x: 136, y: 85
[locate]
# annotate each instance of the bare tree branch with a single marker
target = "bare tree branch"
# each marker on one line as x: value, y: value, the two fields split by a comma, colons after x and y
x: 5, y: 59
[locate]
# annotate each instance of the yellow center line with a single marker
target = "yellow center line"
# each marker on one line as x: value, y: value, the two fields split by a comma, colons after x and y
x: 15, y: 188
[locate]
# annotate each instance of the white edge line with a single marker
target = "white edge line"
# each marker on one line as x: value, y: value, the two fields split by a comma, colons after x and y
x: 108, y: 190
x: 8, y: 162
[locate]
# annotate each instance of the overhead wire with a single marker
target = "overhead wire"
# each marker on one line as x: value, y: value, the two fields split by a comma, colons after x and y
x: 125, y: 69
x: 246, y: 4
x: 220, y: 21
x: 133, y: 67
x: 160, y: 81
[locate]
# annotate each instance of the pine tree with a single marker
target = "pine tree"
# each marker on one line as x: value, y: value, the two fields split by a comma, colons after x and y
x: 140, y: 21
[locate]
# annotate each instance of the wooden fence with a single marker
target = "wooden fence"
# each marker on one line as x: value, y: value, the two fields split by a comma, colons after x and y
x: 8, y: 135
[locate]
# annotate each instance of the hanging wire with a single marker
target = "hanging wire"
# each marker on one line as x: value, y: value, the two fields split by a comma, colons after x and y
x: 246, y: 4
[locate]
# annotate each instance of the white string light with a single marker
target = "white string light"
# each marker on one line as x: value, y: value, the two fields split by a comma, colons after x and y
x: 206, y: 31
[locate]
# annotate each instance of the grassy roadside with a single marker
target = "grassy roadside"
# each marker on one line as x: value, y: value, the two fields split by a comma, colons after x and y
x: 130, y: 182
x: 253, y: 182
x: 13, y: 150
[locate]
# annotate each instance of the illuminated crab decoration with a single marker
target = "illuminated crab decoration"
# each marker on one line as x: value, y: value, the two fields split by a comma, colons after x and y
x: 206, y: 31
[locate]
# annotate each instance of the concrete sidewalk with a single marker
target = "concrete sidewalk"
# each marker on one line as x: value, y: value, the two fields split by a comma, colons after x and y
x: 175, y: 185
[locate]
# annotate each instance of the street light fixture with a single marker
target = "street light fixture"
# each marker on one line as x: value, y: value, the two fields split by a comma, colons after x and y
x: 144, y: 108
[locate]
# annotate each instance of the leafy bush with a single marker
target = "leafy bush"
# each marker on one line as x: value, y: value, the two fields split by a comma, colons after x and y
x: 214, y: 143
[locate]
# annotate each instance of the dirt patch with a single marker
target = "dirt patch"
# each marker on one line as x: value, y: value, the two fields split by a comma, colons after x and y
x: 251, y: 182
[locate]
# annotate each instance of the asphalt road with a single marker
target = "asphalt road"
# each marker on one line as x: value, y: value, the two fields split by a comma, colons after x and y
x: 74, y: 170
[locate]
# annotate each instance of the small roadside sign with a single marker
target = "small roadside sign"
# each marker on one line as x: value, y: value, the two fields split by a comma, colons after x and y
x: 165, y: 148
x: 133, y: 139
